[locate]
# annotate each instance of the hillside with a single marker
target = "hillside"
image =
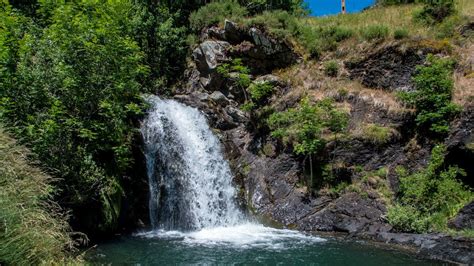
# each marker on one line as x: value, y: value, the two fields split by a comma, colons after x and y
x: 358, y: 124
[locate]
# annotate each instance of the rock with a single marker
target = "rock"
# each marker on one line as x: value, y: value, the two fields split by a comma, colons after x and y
x: 213, y: 33
x: 237, y: 115
x: 434, y: 246
x: 232, y: 33
x: 219, y: 98
x: 390, y: 67
x: 209, y: 54
x: 464, y: 219
x: 350, y: 213
x: 266, y: 45
x: 271, y: 79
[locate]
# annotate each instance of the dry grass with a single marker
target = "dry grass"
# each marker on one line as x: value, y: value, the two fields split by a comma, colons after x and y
x: 309, y: 79
x: 393, y: 16
x: 33, y: 230
x: 464, y: 79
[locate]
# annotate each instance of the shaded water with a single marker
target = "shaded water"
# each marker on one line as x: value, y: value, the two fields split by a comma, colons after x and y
x: 275, y: 247
x: 195, y: 219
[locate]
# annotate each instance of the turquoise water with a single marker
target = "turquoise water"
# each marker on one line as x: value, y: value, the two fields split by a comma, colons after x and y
x: 247, y: 245
x: 332, y: 7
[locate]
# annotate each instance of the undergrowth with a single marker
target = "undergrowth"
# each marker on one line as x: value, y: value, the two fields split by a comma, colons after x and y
x: 33, y: 230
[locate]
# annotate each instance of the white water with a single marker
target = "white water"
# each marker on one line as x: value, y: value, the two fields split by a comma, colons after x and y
x: 191, y: 193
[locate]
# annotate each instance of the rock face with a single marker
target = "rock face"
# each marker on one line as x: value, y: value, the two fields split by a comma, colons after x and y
x: 257, y: 50
x: 464, y: 219
x: 390, y: 67
x: 437, y: 246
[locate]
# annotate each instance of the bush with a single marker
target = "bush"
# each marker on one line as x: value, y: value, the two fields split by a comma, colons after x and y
x: 435, y: 11
x: 375, y: 32
x: 395, y: 2
x: 259, y: 92
x: 258, y: 6
x: 331, y: 68
x: 302, y: 127
x: 430, y: 197
x: 33, y: 230
x: 279, y: 23
x: 377, y: 134
x: 73, y: 95
x: 432, y: 98
x: 214, y: 13
x: 399, y: 34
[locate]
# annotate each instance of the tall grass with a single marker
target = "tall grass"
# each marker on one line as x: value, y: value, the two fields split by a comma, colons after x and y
x: 33, y: 230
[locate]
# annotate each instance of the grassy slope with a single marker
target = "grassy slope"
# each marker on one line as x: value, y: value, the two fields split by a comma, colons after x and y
x: 32, y: 229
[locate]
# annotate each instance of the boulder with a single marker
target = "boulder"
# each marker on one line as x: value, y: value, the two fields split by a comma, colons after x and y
x: 209, y: 54
x: 232, y: 33
x: 219, y: 98
x: 271, y: 79
x: 464, y: 219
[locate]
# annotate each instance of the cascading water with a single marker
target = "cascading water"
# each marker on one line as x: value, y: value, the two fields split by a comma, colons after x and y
x: 190, y: 181
x: 191, y: 192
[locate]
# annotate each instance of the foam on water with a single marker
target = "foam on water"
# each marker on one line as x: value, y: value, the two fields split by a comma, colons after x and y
x: 247, y: 235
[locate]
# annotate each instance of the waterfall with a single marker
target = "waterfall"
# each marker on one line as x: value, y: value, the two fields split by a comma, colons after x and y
x: 190, y: 181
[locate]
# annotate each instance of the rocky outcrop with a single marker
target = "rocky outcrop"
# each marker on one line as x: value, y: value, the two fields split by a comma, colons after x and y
x: 464, y: 219
x: 434, y: 246
x: 258, y: 50
x: 390, y: 67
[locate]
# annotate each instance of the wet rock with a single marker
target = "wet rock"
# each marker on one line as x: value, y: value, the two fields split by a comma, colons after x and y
x: 464, y: 219
x: 350, y: 213
x: 434, y: 246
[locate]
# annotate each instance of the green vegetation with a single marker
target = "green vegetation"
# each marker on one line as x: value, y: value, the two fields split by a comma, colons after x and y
x: 33, y: 229
x: 260, y: 91
x: 303, y: 127
x: 399, y: 34
x: 435, y: 11
x: 375, y: 32
x: 71, y: 90
x: 432, y: 98
x: 430, y: 197
x: 376, y: 133
x: 215, y: 13
x: 331, y: 68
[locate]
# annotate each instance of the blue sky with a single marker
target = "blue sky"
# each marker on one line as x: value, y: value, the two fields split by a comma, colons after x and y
x: 331, y: 7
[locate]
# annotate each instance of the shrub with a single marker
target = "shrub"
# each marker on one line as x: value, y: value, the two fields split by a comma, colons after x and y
x: 375, y: 32
x: 399, y: 34
x: 395, y: 2
x: 33, y: 230
x: 259, y: 92
x: 279, y: 23
x: 331, y: 68
x: 258, y: 6
x: 432, y: 98
x: 214, y: 13
x: 302, y: 127
x: 435, y: 11
x: 430, y: 197
x: 74, y: 97
x: 377, y: 134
